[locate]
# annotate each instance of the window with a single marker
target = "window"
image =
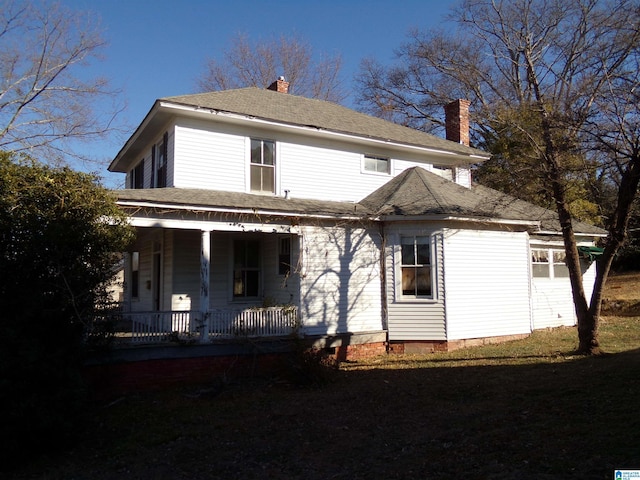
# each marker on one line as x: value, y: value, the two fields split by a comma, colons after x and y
x: 376, y: 164
x: 137, y: 176
x: 263, y: 166
x: 416, y: 267
x: 159, y: 163
x: 246, y: 268
x: 548, y: 263
x: 284, y: 256
x: 135, y: 274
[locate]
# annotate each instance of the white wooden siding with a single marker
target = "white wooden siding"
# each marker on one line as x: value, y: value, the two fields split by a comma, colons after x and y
x: 486, y: 283
x: 209, y: 159
x: 340, y: 279
x: 186, y: 270
x: 553, y: 302
x: 325, y: 173
x: 414, y: 320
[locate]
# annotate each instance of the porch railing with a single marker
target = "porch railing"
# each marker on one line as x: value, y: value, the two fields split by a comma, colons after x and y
x: 186, y: 326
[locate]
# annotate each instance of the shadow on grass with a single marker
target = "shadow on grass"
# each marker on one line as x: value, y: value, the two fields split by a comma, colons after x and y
x: 553, y: 420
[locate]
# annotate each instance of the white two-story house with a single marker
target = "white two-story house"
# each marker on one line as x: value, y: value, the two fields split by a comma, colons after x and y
x: 361, y: 231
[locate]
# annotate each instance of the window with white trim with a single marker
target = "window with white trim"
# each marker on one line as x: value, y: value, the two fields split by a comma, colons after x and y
x: 548, y: 263
x: 263, y: 166
x: 137, y: 175
x: 284, y: 256
x: 375, y: 164
x: 246, y: 269
x: 415, y: 264
x: 159, y: 163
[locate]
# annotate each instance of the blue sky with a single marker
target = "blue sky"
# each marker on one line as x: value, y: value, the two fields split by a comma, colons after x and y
x: 159, y: 48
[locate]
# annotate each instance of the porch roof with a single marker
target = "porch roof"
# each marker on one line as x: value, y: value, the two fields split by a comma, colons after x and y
x: 415, y: 194
x: 201, y: 199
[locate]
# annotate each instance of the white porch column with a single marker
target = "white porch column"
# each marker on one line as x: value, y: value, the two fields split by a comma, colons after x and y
x: 205, y: 268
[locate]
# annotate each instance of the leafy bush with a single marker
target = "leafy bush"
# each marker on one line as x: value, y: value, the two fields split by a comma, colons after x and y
x: 60, y: 232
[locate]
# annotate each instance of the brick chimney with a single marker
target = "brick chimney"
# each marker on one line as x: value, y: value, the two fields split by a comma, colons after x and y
x: 279, y: 85
x: 456, y: 116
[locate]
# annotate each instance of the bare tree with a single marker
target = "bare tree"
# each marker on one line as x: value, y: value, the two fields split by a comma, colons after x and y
x: 258, y: 64
x: 46, y: 101
x: 549, y: 78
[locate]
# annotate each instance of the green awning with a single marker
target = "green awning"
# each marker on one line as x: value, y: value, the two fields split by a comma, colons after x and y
x: 590, y: 253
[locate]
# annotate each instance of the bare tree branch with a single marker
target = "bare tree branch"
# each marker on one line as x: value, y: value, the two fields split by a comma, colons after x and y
x: 45, y: 100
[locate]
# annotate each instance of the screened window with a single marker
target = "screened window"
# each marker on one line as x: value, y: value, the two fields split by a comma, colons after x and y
x: 548, y: 263
x: 263, y: 166
x: 284, y: 256
x: 135, y: 274
x: 416, y: 266
x: 246, y: 268
x: 376, y: 164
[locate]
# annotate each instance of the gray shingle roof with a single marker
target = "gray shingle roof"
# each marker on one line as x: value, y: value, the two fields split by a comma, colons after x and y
x: 296, y: 110
x: 415, y: 192
x: 233, y: 201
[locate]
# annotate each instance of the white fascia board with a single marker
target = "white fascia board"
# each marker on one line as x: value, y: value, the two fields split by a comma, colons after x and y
x: 577, y: 234
x: 455, y: 157
x: 159, y: 222
x: 413, y: 218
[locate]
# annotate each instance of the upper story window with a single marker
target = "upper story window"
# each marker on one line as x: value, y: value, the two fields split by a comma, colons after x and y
x: 548, y: 263
x: 159, y: 163
x: 416, y: 267
x: 376, y: 164
x: 137, y: 176
x: 263, y: 171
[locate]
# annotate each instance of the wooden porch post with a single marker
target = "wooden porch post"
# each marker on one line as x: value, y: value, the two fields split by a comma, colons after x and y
x: 205, y: 267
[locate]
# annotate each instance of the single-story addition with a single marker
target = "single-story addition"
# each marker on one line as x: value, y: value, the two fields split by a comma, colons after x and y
x: 260, y: 213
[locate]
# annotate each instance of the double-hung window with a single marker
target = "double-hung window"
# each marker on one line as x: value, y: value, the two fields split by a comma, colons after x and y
x: 416, y: 267
x: 137, y: 176
x: 376, y: 164
x: 548, y: 263
x: 159, y: 163
x: 263, y: 166
x: 284, y: 256
x: 246, y: 268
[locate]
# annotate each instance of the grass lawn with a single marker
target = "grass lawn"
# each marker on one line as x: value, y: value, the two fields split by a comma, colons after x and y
x: 527, y: 409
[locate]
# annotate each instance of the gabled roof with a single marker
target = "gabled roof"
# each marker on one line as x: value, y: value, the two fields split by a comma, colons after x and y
x: 417, y: 192
x: 288, y: 110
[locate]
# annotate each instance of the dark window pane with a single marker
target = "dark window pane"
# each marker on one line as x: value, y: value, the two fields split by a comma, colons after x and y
x: 256, y: 151
x: 268, y: 153
x: 408, y: 254
x: 252, y: 278
x: 253, y: 254
x: 423, y: 254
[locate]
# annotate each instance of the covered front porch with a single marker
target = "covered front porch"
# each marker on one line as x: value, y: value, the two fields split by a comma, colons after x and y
x: 196, y: 278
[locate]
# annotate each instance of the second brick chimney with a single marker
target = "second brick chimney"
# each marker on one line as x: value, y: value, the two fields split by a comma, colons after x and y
x: 279, y: 85
x: 456, y: 116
